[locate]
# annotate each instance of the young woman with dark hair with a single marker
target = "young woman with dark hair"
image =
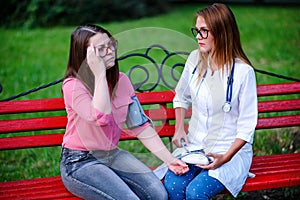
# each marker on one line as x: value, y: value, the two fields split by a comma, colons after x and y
x: 97, y: 99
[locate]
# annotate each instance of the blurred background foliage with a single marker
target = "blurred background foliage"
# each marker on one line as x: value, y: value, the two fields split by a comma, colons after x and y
x: 34, y: 50
x: 46, y: 13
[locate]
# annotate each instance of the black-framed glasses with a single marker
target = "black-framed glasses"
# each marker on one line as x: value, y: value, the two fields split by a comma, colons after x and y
x: 202, y: 32
x: 102, y: 49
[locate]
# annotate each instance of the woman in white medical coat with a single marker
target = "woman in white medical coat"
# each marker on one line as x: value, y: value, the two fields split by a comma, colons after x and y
x: 219, y: 83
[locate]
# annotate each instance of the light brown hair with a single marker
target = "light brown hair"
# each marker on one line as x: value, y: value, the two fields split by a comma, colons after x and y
x: 227, y: 45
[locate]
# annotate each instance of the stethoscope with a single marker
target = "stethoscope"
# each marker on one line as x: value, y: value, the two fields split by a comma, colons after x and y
x: 227, y: 105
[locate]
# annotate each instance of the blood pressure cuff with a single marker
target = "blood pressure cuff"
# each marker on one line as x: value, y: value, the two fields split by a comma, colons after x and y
x: 136, y: 116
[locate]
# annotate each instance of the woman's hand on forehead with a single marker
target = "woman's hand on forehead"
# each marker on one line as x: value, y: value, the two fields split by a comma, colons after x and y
x: 96, y: 63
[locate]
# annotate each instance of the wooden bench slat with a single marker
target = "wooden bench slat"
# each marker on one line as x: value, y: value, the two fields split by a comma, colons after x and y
x: 279, y: 105
x: 291, y: 165
x: 161, y: 114
x: 278, y: 89
x: 47, y: 140
x: 163, y: 131
x: 155, y: 97
x: 288, y: 159
x: 278, y: 122
x: 18, y: 184
x: 264, y: 182
x: 274, y: 171
x: 37, y: 105
x: 259, y: 161
x: 46, y: 192
x: 22, y: 125
x: 20, y: 142
x: 38, y: 188
x: 276, y: 166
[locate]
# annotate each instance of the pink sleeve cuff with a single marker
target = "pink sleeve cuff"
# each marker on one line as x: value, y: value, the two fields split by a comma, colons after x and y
x: 103, y: 119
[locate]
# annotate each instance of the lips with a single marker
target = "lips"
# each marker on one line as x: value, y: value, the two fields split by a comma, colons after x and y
x: 201, y: 44
x: 109, y: 58
x: 110, y: 63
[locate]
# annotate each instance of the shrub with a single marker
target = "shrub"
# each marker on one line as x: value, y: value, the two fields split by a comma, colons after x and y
x: 46, y: 13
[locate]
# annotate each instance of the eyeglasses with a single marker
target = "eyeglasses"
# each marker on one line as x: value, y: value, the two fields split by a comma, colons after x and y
x: 102, y: 49
x: 202, y: 32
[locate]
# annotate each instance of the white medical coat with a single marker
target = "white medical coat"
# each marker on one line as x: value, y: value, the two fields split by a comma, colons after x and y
x: 212, y: 129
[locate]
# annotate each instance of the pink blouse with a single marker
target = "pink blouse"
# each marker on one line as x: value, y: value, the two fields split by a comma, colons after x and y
x: 90, y: 129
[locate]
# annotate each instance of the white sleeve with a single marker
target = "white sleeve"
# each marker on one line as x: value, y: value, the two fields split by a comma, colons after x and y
x: 183, y: 97
x: 248, y: 110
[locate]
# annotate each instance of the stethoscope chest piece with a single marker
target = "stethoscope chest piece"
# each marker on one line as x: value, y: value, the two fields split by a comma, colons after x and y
x: 226, y: 107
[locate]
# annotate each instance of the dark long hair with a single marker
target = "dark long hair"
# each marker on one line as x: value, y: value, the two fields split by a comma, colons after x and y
x: 77, y: 58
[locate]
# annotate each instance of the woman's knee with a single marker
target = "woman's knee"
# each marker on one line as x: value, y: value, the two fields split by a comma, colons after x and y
x: 196, y: 193
x: 175, y: 186
x: 172, y: 182
x: 158, y: 191
x: 201, y: 193
x: 203, y: 187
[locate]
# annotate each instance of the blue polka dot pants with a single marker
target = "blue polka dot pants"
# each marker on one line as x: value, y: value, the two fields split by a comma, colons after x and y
x: 195, y: 184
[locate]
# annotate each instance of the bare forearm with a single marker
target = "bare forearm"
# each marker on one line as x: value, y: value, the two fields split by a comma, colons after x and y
x: 179, y: 127
x: 220, y: 159
x: 152, y: 141
x: 235, y: 147
x: 101, y: 99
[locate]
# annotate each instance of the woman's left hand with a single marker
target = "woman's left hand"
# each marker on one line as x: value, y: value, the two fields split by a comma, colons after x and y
x: 96, y: 63
x: 218, y: 160
x: 178, y: 167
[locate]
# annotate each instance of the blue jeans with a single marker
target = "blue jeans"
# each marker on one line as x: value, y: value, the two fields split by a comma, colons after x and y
x: 195, y: 184
x: 114, y: 174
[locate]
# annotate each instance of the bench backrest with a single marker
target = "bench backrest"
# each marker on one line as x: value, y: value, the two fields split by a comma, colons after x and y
x: 39, y: 123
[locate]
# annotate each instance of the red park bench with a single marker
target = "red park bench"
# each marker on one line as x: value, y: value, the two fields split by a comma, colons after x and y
x: 272, y: 171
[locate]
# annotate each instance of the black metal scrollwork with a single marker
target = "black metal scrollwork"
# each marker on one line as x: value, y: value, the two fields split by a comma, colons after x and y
x: 159, y: 78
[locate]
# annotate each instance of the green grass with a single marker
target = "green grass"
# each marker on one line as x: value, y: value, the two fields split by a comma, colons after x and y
x: 30, y: 58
